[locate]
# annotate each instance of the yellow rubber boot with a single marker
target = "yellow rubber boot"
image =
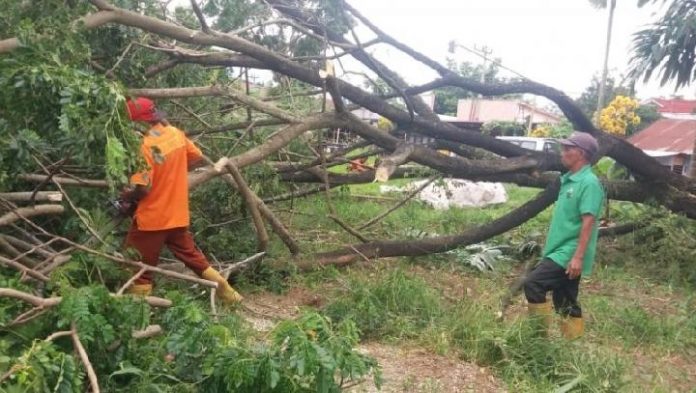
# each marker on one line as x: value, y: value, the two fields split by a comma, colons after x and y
x: 543, y: 312
x: 225, y: 292
x: 572, y: 327
x: 140, y: 289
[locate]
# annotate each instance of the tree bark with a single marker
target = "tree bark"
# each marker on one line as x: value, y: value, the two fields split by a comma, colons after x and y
x: 41, y: 196
x: 383, y: 249
x: 26, y: 212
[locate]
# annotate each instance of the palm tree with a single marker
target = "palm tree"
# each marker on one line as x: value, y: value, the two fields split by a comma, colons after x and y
x: 602, y: 85
x: 668, y: 44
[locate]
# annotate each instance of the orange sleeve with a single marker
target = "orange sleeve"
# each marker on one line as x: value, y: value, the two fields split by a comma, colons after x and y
x: 144, y: 177
x: 193, y: 153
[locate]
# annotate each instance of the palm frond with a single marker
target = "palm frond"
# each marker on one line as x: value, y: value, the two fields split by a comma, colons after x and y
x: 667, y: 46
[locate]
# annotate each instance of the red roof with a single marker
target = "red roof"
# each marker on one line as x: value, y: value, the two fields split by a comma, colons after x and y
x: 667, y: 135
x: 675, y: 105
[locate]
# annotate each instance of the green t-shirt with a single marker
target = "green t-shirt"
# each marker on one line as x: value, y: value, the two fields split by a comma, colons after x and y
x: 581, y: 193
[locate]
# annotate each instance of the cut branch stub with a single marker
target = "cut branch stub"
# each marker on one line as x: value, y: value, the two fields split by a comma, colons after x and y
x: 388, y: 165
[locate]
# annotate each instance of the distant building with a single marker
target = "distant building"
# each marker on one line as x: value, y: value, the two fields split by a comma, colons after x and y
x: 674, y: 108
x: 484, y: 111
x: 670, y: 142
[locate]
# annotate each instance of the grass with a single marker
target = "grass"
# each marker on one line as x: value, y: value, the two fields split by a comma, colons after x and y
x: 641, y: 326
x: 398, y: 306
x: 414, y: 219
x: 395, y: 305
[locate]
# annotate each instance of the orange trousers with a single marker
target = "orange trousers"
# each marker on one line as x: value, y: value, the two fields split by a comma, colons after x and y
x: 179, y: 241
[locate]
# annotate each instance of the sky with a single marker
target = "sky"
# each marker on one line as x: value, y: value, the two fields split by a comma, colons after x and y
x: 560, y: 43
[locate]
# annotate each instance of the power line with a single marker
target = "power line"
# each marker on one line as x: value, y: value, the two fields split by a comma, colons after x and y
x: 453, y: 44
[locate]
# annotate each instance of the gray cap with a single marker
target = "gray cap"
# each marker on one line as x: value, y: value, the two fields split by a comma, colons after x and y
x: 582, y: 140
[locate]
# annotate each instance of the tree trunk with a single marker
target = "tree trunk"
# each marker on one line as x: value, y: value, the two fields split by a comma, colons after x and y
x: 605, y: 69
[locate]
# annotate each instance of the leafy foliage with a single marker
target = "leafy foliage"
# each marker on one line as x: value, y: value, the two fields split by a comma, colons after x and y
x: 560, y: 130
x: 504, y: 128
x: 483, y: 257
x: 668, y: 45
x: 58, y: 107
x: 306, y: 355
x: 446, y: 98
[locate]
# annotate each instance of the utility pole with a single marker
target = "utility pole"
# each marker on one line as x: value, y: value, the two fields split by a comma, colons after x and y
x: 484, y: 51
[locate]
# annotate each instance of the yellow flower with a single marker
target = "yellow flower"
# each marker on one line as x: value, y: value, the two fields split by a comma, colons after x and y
x: 616, y: 116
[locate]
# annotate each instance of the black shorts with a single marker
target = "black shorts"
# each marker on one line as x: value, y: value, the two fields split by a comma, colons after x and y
x: 550, y: 276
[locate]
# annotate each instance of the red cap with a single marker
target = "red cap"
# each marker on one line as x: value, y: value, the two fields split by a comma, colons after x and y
x: 143, y: 109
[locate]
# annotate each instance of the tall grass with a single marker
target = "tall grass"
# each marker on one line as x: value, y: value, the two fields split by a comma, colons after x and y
x: 394, y: 304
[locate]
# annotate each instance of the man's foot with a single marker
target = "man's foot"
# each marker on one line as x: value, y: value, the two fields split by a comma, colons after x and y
x: 140, y: 289
x: 225, y: 292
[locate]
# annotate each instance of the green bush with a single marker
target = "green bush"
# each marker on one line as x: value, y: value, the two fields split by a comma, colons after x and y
x: 309, y: 354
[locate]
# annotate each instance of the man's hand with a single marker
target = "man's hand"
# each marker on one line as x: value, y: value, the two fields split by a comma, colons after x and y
x: 126, y: 208
x: 574, y: 268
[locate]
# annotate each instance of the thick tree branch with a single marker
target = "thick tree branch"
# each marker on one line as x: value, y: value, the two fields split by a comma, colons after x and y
x: 26, y: 212
x: 392, y: 248
x: 388, y: 165
x: 200, y: 16
x: 274, y: 143
x: 66, y: 181
x: 275, y: 223
x: 252, y: 204
x: 38, y: 301
x: 41, y: 196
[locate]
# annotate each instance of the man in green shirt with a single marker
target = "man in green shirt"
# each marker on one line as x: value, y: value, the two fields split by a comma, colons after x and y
x: 572, y: 239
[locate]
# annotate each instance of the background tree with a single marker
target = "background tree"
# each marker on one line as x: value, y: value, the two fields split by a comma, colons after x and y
x: 647, y: 113
x: 446, y: 98
x: 668, y: 45
x: 589, y: 97
x: 611, y: 5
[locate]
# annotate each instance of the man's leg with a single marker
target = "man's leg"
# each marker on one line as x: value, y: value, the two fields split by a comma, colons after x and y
x: 565, y: 300
x: 545, y: 277
x: 180, y: 242
x: 148, y: 244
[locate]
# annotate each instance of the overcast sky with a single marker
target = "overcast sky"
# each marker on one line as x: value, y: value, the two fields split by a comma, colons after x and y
x: 555, y: 42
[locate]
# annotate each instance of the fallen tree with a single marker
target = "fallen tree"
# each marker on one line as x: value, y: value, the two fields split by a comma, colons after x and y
x: 514, y: 165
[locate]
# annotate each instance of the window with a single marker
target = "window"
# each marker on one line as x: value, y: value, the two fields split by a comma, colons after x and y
x: 678, y: 169
x: 531, y: 145
x: 551, y: 147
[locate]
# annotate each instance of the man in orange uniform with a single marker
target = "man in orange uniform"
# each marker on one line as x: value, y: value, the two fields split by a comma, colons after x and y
x: 161, y: 193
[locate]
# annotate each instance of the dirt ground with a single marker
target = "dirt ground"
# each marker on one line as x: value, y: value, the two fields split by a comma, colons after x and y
x: 416, y: 370
x: 403, y: 369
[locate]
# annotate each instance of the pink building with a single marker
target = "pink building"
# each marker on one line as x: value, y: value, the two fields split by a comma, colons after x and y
x: 484, y: 111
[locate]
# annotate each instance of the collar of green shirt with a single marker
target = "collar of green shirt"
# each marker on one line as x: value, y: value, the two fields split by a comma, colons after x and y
x: 569, y: 176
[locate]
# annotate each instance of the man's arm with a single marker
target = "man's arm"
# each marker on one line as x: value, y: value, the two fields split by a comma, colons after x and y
x: 198, y: 163
x: 575, y: 266
x: 135, y: 194
x: 194, y: 156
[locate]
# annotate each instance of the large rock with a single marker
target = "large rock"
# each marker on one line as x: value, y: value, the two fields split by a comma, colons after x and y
x: 456, y: 192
